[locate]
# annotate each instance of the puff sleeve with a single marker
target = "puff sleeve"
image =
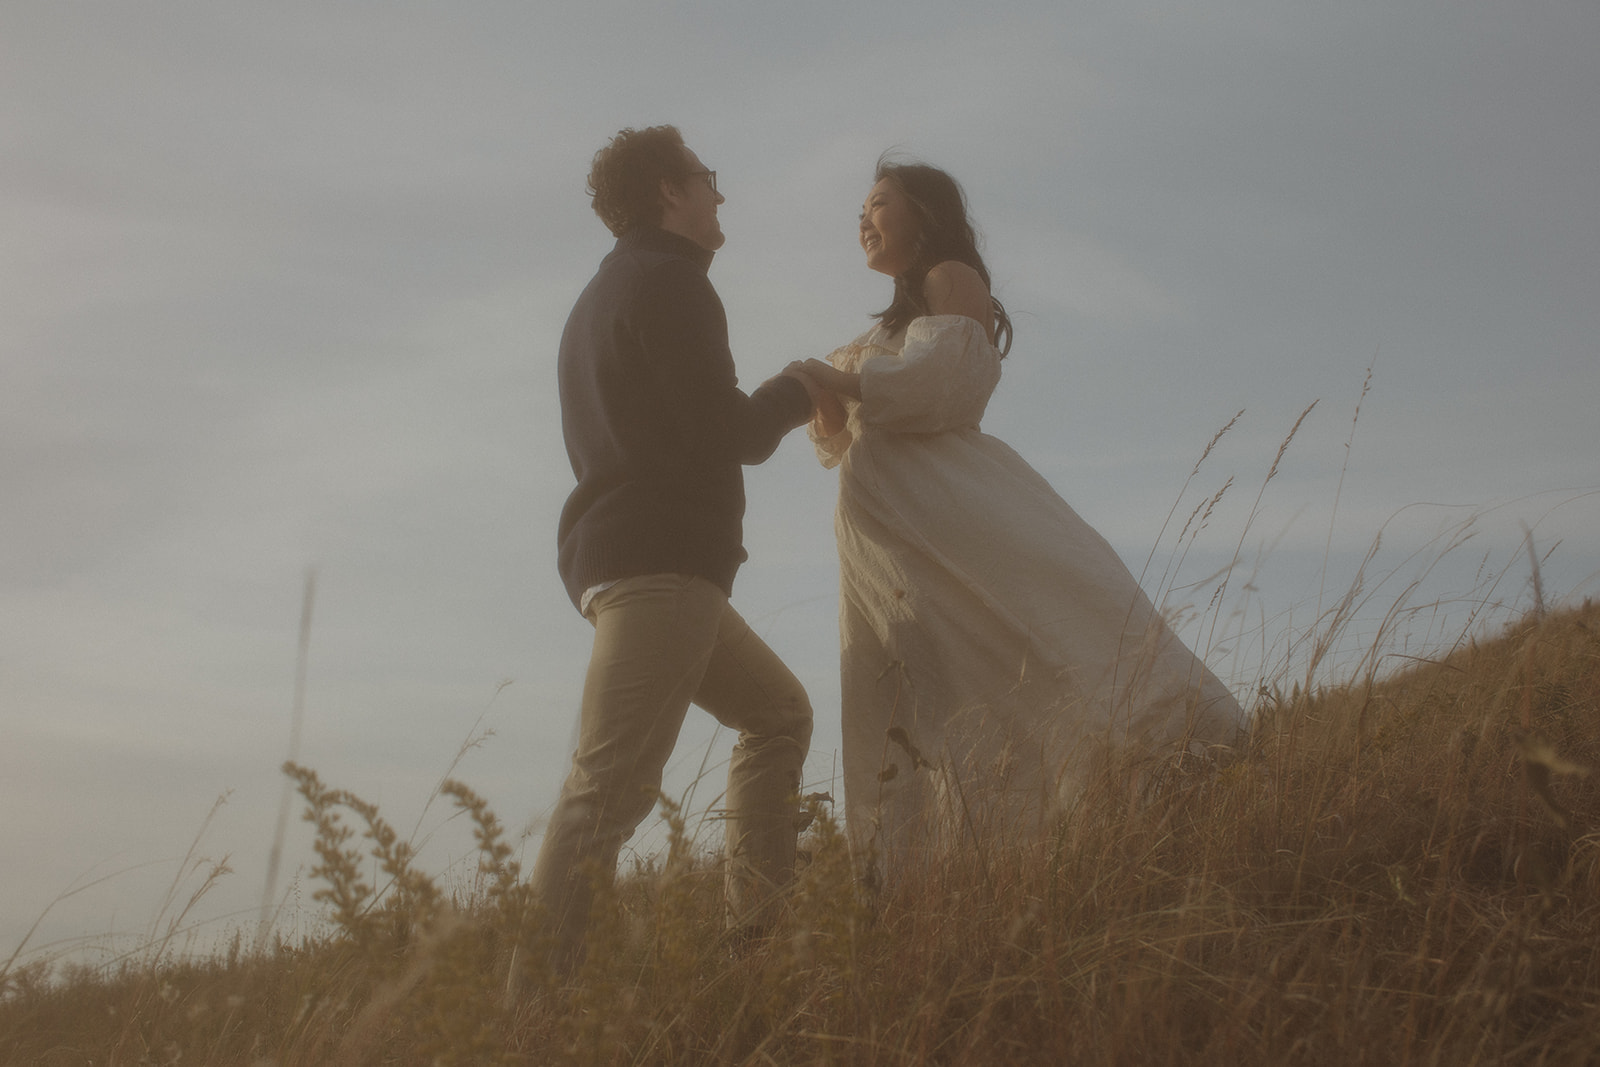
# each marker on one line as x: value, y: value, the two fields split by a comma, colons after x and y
x: 941, y: 379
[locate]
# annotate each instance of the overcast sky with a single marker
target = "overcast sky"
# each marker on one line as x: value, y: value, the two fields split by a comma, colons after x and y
x: 282, y: 285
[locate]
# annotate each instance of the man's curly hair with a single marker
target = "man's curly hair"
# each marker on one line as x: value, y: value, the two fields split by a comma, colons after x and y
x: 625, y: 177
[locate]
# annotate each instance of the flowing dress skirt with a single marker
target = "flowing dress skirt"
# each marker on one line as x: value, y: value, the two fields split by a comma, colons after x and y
x: 995, y: 651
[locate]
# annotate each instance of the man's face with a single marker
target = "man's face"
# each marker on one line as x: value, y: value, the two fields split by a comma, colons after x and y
x: 689, y: 206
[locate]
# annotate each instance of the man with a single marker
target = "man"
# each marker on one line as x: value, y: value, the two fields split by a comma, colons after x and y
x: 657, y: 429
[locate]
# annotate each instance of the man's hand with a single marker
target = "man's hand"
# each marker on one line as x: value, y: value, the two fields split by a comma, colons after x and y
x: 796, y: 370
x: 828, y: 414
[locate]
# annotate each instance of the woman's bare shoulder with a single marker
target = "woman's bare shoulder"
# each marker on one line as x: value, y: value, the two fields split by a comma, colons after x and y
x: 954, y: 288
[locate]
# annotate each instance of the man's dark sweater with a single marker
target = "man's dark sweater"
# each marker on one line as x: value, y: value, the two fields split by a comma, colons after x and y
x: 655, y: 424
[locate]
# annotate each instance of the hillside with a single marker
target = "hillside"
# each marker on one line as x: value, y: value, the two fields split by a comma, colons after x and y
x: 1399, y: 870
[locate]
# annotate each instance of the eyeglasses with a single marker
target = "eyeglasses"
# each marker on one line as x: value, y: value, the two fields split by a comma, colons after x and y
x: 709, y: 175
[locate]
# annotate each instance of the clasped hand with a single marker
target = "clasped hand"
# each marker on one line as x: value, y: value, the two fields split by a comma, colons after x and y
x: 825, y: 384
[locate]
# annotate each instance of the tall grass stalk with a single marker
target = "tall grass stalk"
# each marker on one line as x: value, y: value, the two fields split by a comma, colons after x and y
x: 296, y: 721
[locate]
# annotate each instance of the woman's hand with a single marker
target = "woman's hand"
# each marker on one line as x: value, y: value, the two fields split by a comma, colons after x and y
x: 832, y: 378
x: 830, y: 414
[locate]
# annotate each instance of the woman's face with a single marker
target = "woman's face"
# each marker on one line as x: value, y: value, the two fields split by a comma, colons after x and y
x: 888, y: 229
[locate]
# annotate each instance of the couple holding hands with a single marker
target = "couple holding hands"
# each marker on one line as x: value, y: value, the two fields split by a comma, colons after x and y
x: 994, y: 648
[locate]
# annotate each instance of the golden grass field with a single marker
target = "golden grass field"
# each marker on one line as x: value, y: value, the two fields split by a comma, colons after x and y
x: 1400, y: 869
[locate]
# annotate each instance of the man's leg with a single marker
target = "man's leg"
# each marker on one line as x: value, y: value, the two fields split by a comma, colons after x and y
x: 748, y: 688
x: 654, y: 636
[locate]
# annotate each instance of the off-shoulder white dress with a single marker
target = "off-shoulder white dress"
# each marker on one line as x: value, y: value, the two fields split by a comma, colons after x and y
x: 994, y: 647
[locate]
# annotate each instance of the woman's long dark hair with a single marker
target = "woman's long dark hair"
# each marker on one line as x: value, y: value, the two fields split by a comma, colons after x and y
x: 945, y: 233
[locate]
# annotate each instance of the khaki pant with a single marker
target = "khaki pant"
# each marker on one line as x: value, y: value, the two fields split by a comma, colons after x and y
x: 661, y: 641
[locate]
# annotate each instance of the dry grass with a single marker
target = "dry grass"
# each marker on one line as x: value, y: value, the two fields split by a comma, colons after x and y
x: 1404, y: 870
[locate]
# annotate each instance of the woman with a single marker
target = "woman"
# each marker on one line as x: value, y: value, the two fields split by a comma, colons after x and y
x: 995, y: 650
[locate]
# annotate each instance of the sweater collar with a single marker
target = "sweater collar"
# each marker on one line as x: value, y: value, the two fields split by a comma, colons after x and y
x: 655, y: 239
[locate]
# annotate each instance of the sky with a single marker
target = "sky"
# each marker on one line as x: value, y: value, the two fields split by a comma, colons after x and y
x: 282, y: 285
